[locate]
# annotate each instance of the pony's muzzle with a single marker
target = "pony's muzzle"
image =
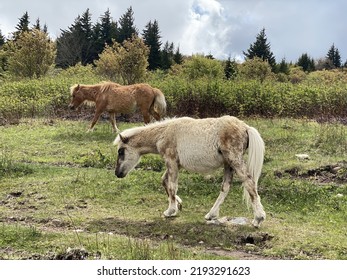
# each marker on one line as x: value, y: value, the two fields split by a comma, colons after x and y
x: 120, y: 174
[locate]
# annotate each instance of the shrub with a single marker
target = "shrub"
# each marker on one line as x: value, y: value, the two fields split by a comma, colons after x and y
x: 127, y: 60
x: 255, y: 69
x: 198, y: 67
x: 31, y: 55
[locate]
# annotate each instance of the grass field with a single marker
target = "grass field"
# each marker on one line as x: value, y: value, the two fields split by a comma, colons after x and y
x: 59, y: 198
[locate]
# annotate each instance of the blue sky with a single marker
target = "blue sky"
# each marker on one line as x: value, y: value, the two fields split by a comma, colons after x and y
x: 217, y: 27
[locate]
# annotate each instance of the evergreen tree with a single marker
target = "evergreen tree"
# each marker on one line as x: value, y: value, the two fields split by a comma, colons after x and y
x: 167, y: 55
x: 178, y: 57
x: 45, y: 28
x: 22, y: 26
x: 2, y: 39
x: 108, y: 28
x: 86, y: 37
x: 261, y: 48
x: 37, y: 25
x: 151, y: 37
x: 126, y: 26
x: 283, y: 67
x: 104, y: 32
x: 306, y: 63
x: 230, y: 68
x: 76, y: 44
x: 334, y: 56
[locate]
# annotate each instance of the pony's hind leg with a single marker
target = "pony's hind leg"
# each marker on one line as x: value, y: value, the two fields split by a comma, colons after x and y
x: 228, y: 175
x: 154, y: 114
x: 113, y: 122
x: 251, y: 193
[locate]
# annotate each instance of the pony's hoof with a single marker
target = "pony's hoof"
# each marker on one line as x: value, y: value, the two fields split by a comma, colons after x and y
x: 257, y: 221
x: 210, y: 217
x: 170, y: 213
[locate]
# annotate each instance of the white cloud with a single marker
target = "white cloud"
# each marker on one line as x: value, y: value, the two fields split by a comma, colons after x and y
x: 207, y: 29
x: 219, y: 27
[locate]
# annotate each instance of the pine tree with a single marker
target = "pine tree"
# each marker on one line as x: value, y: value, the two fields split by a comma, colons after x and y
x: 178, y: 57
x: 334, y: 56
x: 126, y: 26
x: 261, y: 48
x: 76, y: 44
x: 2, y: 39
x: 306, y: 62
x: 22, y: 26
x: 104, y: 32
x: 45, y: 28
x: 37, y: 25
x: 167, y: 55
x: 108, y: 28
x: 151, y: 37
x: 283, y: 67
x: 230, y: 68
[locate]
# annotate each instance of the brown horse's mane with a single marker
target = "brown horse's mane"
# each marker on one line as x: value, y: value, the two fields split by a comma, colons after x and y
x: 95, y: 89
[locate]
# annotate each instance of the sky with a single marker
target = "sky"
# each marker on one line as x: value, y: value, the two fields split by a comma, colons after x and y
x: 222, y: 28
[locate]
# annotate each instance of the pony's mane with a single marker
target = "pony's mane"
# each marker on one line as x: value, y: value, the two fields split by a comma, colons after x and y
x: 104, y: 86
x: 72, y: 88
x: 135, y: 130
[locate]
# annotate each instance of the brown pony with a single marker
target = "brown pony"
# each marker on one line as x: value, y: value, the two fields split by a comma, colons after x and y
x: 115, y: 99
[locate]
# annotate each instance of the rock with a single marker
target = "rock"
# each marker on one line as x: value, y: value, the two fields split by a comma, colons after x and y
x: 302, y: 156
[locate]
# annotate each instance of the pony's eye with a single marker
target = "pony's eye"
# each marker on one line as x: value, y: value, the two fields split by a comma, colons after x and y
x: 121, y: 152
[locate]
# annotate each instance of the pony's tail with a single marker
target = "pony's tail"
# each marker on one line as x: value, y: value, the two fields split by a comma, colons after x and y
x: 159, y: 104
x: 256, y: 149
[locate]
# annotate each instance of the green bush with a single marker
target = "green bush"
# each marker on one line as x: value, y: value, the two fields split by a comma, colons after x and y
x: 322, y: 94
x: 41, y: 97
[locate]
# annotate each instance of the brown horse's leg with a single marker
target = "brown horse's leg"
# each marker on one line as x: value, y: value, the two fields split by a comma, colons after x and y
x: 146, y: 116
x: 113, y: 122
x: 95, y: 119
x: 155, y: 114
x: 228, y: 176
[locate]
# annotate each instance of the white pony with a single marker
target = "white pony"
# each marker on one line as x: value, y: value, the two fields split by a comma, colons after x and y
x: 198, y: 145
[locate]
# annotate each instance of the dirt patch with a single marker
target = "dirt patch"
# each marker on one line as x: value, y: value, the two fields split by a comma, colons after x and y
x: 245, y: 241
x: 332, y: 173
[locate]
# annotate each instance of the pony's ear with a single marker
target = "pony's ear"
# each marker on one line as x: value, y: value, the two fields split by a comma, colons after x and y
x: 78, y: 87
x: 123, y: 139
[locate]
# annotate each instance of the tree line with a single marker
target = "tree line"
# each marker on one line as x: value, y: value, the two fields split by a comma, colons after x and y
x: 87, y: 43
x: 83, y: 42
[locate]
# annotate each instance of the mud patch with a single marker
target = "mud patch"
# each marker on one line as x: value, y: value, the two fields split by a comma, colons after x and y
x: 332, y: 173
x: 254, y: 238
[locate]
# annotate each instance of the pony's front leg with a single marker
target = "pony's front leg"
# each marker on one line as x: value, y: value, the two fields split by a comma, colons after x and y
x: 170, y: 182
x: 165, y: 185
x: 95, y: 119
x: 228, y: 175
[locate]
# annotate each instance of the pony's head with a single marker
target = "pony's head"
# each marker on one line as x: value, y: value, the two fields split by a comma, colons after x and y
x: 77, y: 97
x: 128, y: 156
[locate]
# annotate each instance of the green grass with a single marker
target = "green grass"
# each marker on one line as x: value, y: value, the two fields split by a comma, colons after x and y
x: 59, y: 198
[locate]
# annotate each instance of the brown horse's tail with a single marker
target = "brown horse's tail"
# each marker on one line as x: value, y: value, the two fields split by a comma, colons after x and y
x: 159, y: 103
